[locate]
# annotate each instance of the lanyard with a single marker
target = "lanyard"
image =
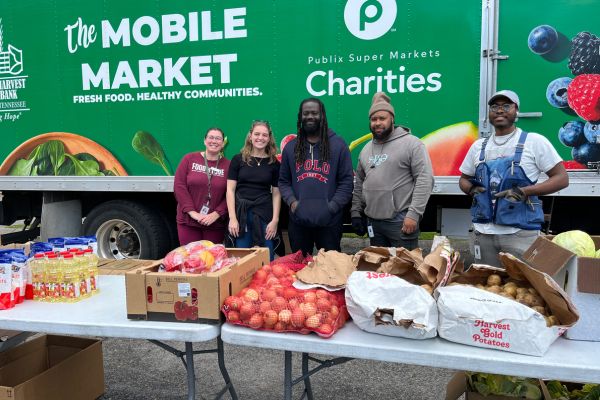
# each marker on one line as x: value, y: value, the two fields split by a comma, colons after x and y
x: 208, y: 174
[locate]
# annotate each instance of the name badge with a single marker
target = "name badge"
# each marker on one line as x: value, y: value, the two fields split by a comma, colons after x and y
x: 370, y: 231
x: 477, y: 251
x: 204, y: 210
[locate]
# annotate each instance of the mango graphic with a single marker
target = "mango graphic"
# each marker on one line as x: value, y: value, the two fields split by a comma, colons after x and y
x: 448, y: 146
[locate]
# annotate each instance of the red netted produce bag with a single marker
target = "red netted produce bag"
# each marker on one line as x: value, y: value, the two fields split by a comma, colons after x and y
x: 198, y: 257
x: 295, y: 261
x: 270, y: 302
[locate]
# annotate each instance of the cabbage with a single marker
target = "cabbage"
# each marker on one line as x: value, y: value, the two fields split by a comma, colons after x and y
x: 578, y: 242
x: 598, y: 253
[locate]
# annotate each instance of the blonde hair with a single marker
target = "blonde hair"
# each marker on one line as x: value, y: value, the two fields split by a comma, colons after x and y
x: 271, y: 148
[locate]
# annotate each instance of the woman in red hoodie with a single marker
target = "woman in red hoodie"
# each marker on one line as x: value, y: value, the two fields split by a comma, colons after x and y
x: 200, y: 186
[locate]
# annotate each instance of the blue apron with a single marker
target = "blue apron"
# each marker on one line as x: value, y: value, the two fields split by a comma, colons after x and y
x: 503, y: 174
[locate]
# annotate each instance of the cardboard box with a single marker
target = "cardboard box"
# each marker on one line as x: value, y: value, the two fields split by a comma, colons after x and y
x: 458, y: 385
x: 583, y: 286
x: 52, y: 368
x: 26, y: 247
x: 10, y: 339
x: 154, y: 295
x: 580, y: 276
x: 550, y: 258
x: 120, y: 267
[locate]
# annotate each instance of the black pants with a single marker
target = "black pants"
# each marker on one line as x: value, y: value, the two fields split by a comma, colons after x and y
x: 305, y: 238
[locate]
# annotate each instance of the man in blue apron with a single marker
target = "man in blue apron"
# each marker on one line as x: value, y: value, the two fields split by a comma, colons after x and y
x: 501, y: 174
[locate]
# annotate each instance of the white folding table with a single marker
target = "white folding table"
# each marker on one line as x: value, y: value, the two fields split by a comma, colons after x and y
x: 105, y: 314
x: 567, y: 360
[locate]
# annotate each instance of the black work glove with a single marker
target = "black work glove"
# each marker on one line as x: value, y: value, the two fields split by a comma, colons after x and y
x: 476, y: 189
x: 515, y: 195
x: 358, y: 226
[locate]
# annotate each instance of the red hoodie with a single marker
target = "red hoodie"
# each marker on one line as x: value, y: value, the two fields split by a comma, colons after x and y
x: 191, y: 188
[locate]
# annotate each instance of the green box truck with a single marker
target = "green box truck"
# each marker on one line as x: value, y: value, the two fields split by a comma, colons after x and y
x: 99, y: 100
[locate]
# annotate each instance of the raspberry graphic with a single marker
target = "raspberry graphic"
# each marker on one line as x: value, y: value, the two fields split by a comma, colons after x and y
x: 583, y: 94
x: 585, y: 54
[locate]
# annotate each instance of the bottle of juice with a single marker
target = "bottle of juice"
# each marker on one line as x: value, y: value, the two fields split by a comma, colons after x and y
x: 83, y: 280
x: 54, y: 278
x: 69, y: 278
x: 92, y: 266
x: 38, y: 274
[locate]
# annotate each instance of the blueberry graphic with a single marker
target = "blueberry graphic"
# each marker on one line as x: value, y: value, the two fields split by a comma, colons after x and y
x: 592, y: 132
x: 585, y: 153
x: 542, y: 39
x: 571, y: 134
x: 557, y: 92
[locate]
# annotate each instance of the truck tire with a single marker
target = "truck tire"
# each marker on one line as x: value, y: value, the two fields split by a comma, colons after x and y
x: 127, y: 229
x: 171, y: 227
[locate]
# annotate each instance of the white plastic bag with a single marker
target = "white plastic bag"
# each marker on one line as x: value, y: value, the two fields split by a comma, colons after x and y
x: 386, y: 304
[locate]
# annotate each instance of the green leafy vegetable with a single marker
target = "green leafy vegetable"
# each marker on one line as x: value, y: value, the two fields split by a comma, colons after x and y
x: 145, y: 144
x: 56, y: 150
x: 85, y: 168
x: 86, y: 157
x: 557, y: 390
x: 24, y: 167
x: 67, y: 168
x: 50, y: 158
x: 44, y: 166
x: 578, y: 242
x: 587, y: 392
x: 560, y: 391
x: 503, y: 385
x: 21, y: 167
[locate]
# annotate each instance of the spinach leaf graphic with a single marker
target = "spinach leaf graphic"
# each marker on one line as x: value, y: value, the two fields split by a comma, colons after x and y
x: 56, y: 150
x: 21, y: 167
x: 85, y: 168
x: 145, y: 144
x: 86, y: 157
x: 25, y: 167
x: 50, y: 158
x: 67, y: 168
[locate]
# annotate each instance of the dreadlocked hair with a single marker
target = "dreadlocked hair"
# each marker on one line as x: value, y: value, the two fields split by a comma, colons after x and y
x: 301, y: 141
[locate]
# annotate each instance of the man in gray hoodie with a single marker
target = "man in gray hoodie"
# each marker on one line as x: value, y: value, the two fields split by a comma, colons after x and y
x: 393, y: 181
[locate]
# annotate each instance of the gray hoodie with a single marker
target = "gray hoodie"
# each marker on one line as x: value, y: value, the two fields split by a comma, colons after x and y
x: 393, y: 176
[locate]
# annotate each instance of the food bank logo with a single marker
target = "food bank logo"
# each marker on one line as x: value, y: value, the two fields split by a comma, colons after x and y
x: 12, y: 82
x: 370, y: 19
x: 11, y: 59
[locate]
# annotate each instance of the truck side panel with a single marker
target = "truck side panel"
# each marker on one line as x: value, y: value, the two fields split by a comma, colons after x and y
x: 105, y: 70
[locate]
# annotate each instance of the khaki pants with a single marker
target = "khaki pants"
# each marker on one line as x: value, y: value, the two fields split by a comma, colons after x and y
x: 491, y: 245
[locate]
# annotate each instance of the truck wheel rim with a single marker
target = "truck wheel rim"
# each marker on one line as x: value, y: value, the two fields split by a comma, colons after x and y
x: 118, y: 239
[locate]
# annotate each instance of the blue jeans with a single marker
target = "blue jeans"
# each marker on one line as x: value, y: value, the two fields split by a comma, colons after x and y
x: 245, y: 238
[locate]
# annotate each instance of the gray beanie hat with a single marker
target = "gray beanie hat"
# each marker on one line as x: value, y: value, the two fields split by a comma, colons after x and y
x: 381, y: 102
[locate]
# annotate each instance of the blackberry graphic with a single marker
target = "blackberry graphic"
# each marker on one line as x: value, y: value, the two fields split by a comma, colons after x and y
x: 585, y: 54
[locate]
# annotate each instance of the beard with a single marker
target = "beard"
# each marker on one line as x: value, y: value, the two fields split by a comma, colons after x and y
x: 310, y: 129
x: 384, y: 134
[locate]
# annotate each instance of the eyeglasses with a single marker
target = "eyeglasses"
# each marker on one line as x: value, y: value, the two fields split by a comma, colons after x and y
x: 215, y: 138
x: 505, y: 107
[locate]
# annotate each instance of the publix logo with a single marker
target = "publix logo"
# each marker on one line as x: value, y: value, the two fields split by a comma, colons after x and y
x: 370, y: 19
